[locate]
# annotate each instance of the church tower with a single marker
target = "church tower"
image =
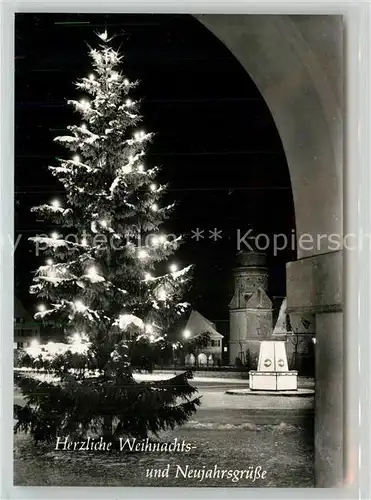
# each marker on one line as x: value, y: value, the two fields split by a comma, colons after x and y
x: 250, y: 310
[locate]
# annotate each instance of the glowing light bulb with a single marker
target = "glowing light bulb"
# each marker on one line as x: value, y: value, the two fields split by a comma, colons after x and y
x: 162, y: 238
x: 91, y: 76
x: 49, y: 262
x: 55, y: 235
x: 142, y: 254
x: 103, y: 223
x: 34, y: 343
x: 140, y: 135
x: 126, y: 81
x: 76, y: 158
x: 148, y: 276
x: 128, y: 103
x: 56, y: 203
x: 155, y: 241
x: 162, y: 295
x: 41, y: 307
x: 63, y: 270
x: 84, y: 241
x: 151, y: 338
x: 149, y: 328
x: 83, y: 126
x: 153, y: 187
x: 140, y: 168
x: 173, y: 268
x: 154, y: 207
x: 92, y: 271
x: 79, y: 305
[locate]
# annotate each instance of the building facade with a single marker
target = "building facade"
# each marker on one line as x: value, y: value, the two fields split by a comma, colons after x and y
x: 209, y: 354
x: 25, y: 327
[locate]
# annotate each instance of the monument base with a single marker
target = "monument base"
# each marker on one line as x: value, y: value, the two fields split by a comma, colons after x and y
x: 273, y: 381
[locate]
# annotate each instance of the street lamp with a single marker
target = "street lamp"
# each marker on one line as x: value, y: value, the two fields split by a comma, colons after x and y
x: 174, y: 346
x: 186, y: 334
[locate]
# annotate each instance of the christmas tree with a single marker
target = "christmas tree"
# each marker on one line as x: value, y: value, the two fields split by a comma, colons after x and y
x: 98, y: 283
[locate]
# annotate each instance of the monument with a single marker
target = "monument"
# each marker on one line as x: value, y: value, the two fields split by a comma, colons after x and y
x: 273, y: 373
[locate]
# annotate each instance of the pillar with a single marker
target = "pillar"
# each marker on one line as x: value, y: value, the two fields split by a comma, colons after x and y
x: 314, y: 285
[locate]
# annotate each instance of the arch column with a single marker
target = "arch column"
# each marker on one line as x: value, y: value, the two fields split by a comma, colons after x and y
x: 296, y: 63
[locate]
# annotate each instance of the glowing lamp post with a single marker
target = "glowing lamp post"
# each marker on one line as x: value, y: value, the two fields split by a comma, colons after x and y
x: 186, y: 334
x: 174, y: 346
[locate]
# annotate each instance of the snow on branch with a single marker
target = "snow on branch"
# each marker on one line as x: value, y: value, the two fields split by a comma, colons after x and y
x: 126, y: 320
x: 55, y: 243
x: 66, y: 139
x: 181, y: 272
x: 50, y: 242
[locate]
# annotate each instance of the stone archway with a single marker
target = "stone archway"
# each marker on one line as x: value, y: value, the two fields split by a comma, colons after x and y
x: 201, y: 359
x: 190, y: 360
x: 297, y: 68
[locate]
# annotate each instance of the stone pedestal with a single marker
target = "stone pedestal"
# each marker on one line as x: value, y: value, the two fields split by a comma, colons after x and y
x: 260, y: 381
x: 314, y: 285
x: 273, y: 373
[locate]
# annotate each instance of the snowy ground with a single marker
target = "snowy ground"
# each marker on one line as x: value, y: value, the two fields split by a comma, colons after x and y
x: 232, y: 432
x: 196, y: 379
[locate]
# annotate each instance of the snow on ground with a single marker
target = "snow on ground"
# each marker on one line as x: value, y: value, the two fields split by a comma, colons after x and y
x: 218, y: 400
x: 302, y: 381
x: 166, y: 376
x: 161, y: 376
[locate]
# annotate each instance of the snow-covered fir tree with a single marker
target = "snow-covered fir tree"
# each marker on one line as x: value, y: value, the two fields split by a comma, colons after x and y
x: 99, y: 285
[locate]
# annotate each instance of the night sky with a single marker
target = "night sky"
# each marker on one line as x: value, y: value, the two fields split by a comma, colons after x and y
x: 215, y: 141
